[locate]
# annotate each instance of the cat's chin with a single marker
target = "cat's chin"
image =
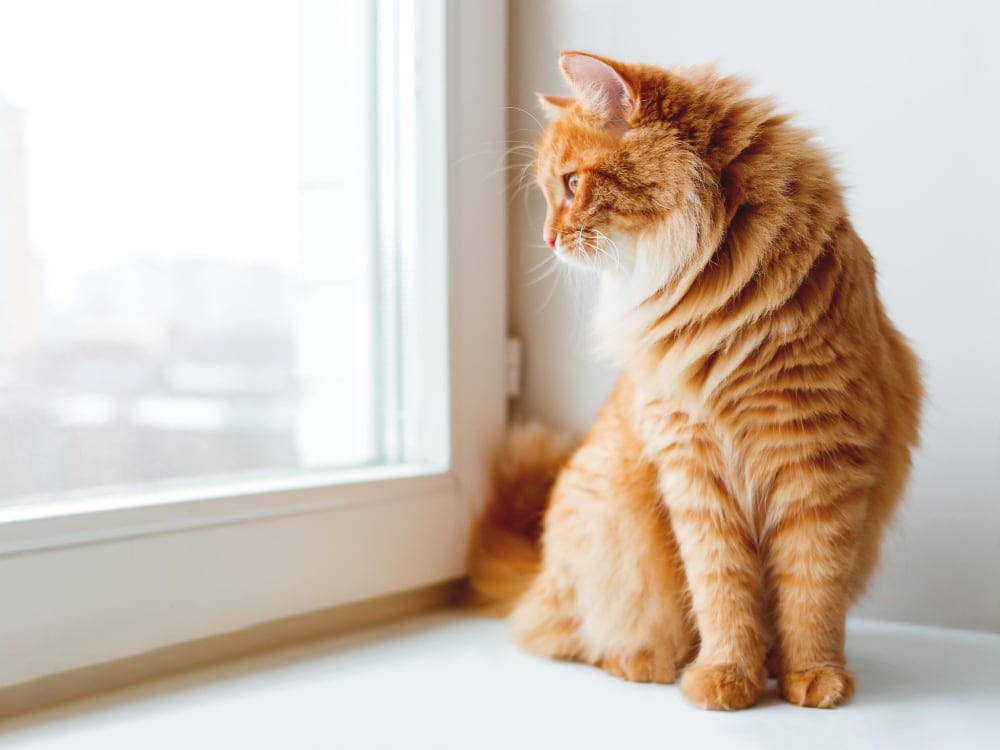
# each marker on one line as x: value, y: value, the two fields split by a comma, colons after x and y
x: 583, y: 262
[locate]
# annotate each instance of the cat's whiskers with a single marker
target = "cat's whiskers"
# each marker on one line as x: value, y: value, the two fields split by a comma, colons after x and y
x: 561, y: 272
x: 526, y: 112
x: 599, y: 252
x: 580, y: 249
x: 543, y: 269
x: 500, y: 150
x: 610, y: 248
x: 602, y: 247
x: 505, y: 164
x: 547, y: 259
x: 522, y: 184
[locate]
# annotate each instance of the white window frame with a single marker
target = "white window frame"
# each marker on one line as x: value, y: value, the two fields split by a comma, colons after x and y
x: 95, y: 580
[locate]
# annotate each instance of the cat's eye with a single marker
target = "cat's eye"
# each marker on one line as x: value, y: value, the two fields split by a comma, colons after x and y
x: 572, y: 181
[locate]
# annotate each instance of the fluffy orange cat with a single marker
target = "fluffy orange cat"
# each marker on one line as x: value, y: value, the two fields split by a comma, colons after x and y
x: 727, y: 506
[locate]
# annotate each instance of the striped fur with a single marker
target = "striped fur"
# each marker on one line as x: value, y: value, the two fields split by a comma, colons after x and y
x: 730, y: 499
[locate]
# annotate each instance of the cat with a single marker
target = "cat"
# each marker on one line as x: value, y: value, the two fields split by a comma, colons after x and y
x: 727, y: 505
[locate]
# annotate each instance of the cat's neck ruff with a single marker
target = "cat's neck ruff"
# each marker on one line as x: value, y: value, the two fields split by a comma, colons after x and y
x: 660, y: 266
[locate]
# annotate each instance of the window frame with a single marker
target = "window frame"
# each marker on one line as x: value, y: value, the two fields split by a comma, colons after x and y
x: 94, y: 580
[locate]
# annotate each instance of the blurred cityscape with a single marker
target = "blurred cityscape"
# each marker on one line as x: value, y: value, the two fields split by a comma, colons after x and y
x: 154, y: 369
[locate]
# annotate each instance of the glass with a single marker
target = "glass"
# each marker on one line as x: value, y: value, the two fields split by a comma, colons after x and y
x: 188, y: 281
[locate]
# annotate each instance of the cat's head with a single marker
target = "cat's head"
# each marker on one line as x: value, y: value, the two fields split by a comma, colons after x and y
x: 628, y: 188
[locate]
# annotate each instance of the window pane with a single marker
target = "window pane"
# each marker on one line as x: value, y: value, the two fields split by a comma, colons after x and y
x: 188, y: 276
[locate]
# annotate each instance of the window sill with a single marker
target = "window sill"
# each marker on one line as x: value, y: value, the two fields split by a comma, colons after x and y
x: 89, y: 681
x: 128, y: 579
x: 451, y: 680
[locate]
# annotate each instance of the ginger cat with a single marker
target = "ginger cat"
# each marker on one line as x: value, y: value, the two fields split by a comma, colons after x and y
x: 727, y: 506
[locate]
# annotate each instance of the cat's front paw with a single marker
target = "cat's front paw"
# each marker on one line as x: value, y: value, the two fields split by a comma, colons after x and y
x: 819, y: 687
x: 646, y: 665
x: 721, y: 687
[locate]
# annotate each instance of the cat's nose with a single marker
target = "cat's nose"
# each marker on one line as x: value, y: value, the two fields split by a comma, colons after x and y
x: 550, y: 240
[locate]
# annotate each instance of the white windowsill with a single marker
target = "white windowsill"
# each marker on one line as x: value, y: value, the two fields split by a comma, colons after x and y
x: 449, y: 680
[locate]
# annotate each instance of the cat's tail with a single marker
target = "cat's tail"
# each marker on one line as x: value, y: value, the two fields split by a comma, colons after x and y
x: 505, y: 549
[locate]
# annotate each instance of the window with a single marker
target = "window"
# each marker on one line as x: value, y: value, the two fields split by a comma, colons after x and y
x: 251, y: 311
x: 186, y: 293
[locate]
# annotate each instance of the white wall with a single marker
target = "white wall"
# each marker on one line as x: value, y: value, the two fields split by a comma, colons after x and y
x: 907, y: 95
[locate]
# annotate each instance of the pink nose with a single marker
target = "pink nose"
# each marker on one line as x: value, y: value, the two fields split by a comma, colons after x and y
x: 550, y: 240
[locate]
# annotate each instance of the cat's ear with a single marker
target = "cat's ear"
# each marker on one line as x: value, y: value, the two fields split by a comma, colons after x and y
x: 601, y: 89
x: 554, y: 105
